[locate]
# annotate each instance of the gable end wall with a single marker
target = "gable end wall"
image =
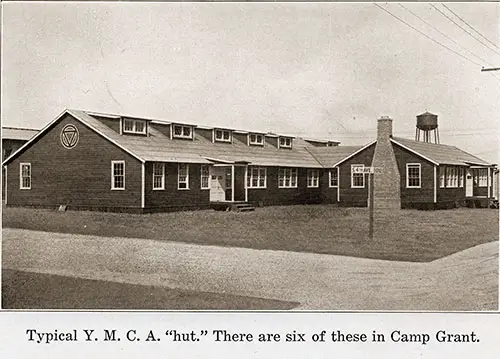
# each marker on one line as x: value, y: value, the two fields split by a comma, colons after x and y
x: 79, y: 177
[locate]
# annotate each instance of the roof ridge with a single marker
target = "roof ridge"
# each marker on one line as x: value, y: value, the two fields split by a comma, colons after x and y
x: 20, y: 128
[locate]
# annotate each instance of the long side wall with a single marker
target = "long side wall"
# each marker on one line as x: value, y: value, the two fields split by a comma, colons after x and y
x: 273, y: 195
x: 171, y: 198
x: 79, y: 177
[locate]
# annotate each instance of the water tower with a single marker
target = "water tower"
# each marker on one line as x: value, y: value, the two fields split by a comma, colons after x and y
x: 427, y: 128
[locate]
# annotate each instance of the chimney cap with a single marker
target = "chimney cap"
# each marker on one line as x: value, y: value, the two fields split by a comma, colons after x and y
x: 385, y: 118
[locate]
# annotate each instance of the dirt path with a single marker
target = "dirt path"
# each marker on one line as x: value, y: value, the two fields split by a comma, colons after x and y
x: 465, y: 281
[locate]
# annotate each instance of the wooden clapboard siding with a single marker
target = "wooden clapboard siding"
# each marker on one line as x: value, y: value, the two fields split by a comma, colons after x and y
x: 357, y: 197
x: 79, y: 177
x: 273, y: 195
x: 172, y: 198
x: 424, y: 194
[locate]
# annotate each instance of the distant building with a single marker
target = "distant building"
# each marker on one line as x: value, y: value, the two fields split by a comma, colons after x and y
x: 12, y: 139
x: 106, y: 162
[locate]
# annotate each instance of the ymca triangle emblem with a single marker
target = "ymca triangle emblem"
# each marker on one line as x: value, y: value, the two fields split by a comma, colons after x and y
x: 69, y: 136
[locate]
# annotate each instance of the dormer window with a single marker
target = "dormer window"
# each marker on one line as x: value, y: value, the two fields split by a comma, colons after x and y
x: 222, y: 136
x: 181, y: 131
x: 285, y: 142
x: 134, y: 126
x: 256, y: 139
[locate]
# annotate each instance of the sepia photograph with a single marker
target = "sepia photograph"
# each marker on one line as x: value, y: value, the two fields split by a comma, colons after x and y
x: 250, y: 156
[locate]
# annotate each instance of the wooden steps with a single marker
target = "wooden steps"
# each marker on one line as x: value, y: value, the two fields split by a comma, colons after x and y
x: 230, y: 206
x: 242, y: 207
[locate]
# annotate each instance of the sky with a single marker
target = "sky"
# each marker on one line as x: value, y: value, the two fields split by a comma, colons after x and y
x: 314, y: 70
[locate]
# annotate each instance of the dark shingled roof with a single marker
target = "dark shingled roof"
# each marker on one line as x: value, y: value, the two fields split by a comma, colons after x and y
x: 159, y: 147
x: 440, y: 154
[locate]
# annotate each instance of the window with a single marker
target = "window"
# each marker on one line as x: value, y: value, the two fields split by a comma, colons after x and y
x: 357, y: 176
x: 334, y: 177
x: 413, y: 175
x: 461, y: 177
x: 158, y: 176
x: 182, y: 132
x: 256, y: 177
x: 442, y: 171
x: 222, y: 136
x: 25, y: 176
x: 134, y: 126
x: 451, y: 177
x: 205, y: 177
x: 183, y: 176
x: 256, y: 139
x: 482, y: 177
x: 117, y: 174
x: 312, y: 178
x: 287, y: 178
x: 285, y: 142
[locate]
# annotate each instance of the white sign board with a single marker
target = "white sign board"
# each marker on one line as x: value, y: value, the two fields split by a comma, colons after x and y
x: 363, y: 170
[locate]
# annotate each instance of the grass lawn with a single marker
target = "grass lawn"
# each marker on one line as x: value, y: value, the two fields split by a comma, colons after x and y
x: 27, y: 290
x: 406, y: 235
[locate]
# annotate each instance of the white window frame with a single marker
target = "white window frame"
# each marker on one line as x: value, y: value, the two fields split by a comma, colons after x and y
x: 451, y: 177
x: 134, y: 126
x: 221, y: 138
x: 482, y: 177
x: 330, y: 177
x: 261, y: 174
x: 288, y: 173
x: 21, y: 182
x: 442, y: 177
x: 312, y: 178
x: 207, y: 177
x: 360, y: 174
x: 256, y: 142
x: 161, y: 176
x: 285, y: 145
x: 182, y: 135
x: 113, y: 163
x: 413, y: 165
x: 461, y: 173
x: 186, y: 181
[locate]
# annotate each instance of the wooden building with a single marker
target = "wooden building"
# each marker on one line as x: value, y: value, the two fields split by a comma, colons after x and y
x: 93, y: 161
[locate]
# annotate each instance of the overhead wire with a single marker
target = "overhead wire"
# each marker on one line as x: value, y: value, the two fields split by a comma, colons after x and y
x: 427, y: 36
x: 443, y: 34
x: 471, y: 27
x: 459, y: 26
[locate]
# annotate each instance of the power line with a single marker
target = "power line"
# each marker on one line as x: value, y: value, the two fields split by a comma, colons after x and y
x: 446, y: 36
x: 475, y: 38
x: 470, y: 26
x: 427, y: 36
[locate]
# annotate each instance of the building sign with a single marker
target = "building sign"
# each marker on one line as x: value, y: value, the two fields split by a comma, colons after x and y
x: 69, y: 136
x: 364, y: 170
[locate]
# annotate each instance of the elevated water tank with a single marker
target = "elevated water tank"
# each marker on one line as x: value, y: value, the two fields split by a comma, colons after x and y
x: 427, y: 128
x: 427, y: 121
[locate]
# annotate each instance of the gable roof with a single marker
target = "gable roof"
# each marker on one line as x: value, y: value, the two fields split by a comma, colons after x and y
x: 333, y: 156
x: 158, y: 147
x: 439, y: 154
x: 16, y: 133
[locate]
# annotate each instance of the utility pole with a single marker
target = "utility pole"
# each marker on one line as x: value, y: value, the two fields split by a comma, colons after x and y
x: 490, y: 69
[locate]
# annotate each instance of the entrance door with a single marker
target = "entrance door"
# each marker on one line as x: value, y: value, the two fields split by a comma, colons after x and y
x: 469, y: 180
x: 218, y: 184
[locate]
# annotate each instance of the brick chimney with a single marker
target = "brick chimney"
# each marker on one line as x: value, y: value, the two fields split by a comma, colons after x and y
x: 386, y: 188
